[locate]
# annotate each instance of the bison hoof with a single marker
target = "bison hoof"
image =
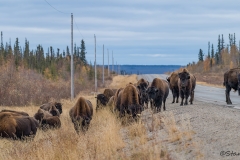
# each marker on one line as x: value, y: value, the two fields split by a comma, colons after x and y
x: 181, y: 104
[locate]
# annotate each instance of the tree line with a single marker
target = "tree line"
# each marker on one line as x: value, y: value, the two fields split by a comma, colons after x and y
x: 48, y: 63
x: 227, y: 55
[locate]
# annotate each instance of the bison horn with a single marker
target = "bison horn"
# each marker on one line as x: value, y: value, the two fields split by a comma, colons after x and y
x: 138, y: 115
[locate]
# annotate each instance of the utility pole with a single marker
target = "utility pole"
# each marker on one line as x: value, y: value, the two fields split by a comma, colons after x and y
x: 95, y: 63
x: 103, y: 66
x: 72, y: 82
x: 112, y: 62
x: 116, y: 68
x: 108, y: 64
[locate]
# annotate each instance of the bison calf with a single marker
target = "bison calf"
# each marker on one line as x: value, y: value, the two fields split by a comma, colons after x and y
x: 81, y: 114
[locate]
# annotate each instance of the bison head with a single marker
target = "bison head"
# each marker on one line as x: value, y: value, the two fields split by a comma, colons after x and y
x: 152, y: 92
x: 184, y: 79
x: 82, y: 122
x: 135, y: 110
x: 102, y: 98
x: 168, y: 79
x: 59, y: 107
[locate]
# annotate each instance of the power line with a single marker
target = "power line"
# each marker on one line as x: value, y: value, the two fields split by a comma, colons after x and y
x: 78, y: 28
x: 55, y: 8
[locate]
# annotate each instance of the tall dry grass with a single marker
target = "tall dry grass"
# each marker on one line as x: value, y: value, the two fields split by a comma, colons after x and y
x: 102, y: 140
x: 106, y: 138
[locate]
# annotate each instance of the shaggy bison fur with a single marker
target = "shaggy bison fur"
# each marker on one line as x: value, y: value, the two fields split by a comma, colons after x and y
x: 81, y: 114
x: 186, y: 84
x: 17, y: 126
x: 102, y: 99
x: 158, y: 93
x: 15, y: 112
x: 142, y: 86
x: 47, y: 120
x: 173, y: 83
x: 130, y: 103
x: 54, y: 108
x: 231, y: 81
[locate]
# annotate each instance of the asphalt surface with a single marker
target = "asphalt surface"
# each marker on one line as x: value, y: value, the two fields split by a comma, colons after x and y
x: 204, y: 93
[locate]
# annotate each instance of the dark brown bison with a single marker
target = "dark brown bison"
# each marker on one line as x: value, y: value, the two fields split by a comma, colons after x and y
x: 15, y: 112
x: 142, y: 86
x: 17, y: 126
x: 53, y: 106
x: 117, y: 99
x: 158, y: 93
x: 41, y: 114
x: 51, y: 122
x: 130, y: 103
x: 231, y: 81
x: 173, y: 83
x: 47, y: 120
x: 186, y: 84
x: 102, y: 99
x: 81, y: 114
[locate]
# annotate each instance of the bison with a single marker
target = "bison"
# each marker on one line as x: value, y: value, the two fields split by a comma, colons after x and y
x: 81, y: 114
x: 158, y: 93
x: 186, y: 84
x: 173, y: 83
x: 17, y: 126
x: 52, y: 106
x: 51, y: 122
x: 142, y: 86
x: 231, y: 81
x: 15, y: 112
x: 130, y: 103
x: 47, y: 120
x: 117, y: 99
x: 102, y: 99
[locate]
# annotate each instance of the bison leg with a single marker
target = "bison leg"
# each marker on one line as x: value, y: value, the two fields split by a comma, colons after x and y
x: 174, y: 95
x: 177, y: 95
x: 192, y: 97
x: 228, y: 100
x: 182, y: 97
x: 164, y: 107
x: 186, y: 100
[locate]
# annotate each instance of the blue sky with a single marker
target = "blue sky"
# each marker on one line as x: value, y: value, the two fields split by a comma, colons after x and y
x: 137, y: 32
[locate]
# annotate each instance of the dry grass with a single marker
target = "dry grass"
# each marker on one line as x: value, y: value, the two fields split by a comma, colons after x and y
x: 106, y: 138
x: 102, y: 140
x: 122, y: 80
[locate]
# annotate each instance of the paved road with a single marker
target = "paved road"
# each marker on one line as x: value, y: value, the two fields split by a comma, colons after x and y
x: 204, y: 93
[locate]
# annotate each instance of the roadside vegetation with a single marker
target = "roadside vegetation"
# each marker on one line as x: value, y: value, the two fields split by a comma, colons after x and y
x: 34, y: 76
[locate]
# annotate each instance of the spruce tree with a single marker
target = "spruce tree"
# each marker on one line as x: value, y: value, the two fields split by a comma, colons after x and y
x: 200, y: 55
x: 208, y: 50
x: 83, y: 52
x: 212, y: 52
x: 234, y: 40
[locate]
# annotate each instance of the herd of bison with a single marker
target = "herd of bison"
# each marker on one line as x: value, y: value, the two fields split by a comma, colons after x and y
x: 131, y: 101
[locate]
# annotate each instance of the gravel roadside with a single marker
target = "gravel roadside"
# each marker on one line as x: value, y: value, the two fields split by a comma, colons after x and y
x: 204, y: 130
